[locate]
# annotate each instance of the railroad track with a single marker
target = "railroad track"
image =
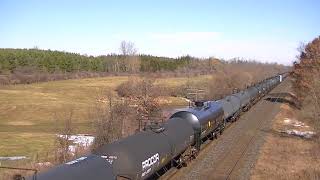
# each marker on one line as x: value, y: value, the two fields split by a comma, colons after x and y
x: 245, y: 147
x: 225, y: 162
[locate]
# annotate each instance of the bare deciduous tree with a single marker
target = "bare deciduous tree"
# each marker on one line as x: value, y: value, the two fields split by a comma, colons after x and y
x: 127, y: 48
x: 113, y: 120
x: 306, y: 76
x: 106, y: 130
x: 131, y: 60
x: 62, y: 143
x: 141, y: 93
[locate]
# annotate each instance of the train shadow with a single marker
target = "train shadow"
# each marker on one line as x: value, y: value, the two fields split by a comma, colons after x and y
x: 286, y: 98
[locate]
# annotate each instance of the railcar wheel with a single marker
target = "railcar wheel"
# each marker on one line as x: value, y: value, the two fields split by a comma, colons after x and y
x: 180, y: 162
x: 211, y: 136
x: 221, y: 131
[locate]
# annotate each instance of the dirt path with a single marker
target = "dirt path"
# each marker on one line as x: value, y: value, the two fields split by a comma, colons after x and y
x: 233, y: 154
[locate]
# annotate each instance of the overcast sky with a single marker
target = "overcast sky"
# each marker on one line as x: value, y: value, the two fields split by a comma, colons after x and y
x: 269, y: 30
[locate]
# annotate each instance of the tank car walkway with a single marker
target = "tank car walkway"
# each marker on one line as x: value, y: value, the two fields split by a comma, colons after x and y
x: 234, y: 153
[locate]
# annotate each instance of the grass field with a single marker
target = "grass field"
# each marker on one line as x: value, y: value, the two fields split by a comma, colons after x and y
x: 27, y: 112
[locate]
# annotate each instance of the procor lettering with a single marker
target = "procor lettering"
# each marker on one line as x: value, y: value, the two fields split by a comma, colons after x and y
x: 150, y: 161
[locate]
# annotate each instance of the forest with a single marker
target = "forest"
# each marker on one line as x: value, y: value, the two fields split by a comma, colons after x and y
x: 24, y: 66
x: 12, y: 60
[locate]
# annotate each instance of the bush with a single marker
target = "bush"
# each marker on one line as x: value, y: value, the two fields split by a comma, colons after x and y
x: 130, y: 88
x: 113, y: 121
x: 136, y: 87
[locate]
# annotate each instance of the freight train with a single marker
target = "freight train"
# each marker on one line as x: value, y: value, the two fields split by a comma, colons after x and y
x: 147, y: 154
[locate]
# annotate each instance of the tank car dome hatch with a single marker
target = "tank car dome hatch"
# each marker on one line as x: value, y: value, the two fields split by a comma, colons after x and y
x: 155, y: 127
x: 199, y: 103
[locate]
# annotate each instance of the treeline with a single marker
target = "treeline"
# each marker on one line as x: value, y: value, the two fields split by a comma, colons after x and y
x: 306, y: 82
x: 25, y: 60
x: 23, y: 66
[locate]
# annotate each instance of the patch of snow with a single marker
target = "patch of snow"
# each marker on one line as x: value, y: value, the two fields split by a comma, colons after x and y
x: 287, y: 120
x: 72, y: 148
x: 44, y: 164
x: 299, y: 124
x: 13, y: 158
x: 188, y: 100
x: 304, y: 134
x: 294, y: 123
x: 82, y: 140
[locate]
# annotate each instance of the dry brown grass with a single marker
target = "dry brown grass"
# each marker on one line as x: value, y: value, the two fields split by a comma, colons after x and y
x: 286, y: 157
x: 31, y: 108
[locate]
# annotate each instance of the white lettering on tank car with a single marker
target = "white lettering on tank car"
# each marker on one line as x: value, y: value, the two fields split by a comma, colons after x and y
x: 110, y: 159
x: 146, y: 164
x: 76, y: 160
x: 146, y: 172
